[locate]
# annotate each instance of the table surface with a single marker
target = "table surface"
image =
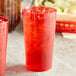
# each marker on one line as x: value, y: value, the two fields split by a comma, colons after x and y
x: 64, y: 60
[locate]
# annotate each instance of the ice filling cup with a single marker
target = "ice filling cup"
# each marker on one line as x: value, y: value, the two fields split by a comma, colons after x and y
x: 39, y: 32
x: 3, y: 44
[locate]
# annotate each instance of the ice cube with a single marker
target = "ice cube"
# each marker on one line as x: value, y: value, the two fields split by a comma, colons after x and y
x: 0, y: 20
x: 43, y: 11
x: 3, y: 22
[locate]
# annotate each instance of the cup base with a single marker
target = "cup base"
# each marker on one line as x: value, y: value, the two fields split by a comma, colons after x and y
x: 38, y: 70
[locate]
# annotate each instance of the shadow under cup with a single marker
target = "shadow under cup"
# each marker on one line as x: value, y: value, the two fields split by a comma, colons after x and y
x: 3, y: 44
x: 39, y: 32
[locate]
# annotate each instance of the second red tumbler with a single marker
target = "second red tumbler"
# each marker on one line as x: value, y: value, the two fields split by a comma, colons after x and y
x: 3, y: 44
x: 39, y: 32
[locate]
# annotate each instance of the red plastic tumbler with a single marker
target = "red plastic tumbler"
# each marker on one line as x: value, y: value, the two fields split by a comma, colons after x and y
x: 3, y: 44
x: 39, y: 32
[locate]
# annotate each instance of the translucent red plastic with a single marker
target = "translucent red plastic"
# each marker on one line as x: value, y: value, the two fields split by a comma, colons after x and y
x: 66, y: 26
x: 3, y: 44
x: 39, y: 32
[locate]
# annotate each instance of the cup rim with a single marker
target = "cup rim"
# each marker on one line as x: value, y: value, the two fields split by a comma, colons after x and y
x: 28, y: 9
x: 4, y: 19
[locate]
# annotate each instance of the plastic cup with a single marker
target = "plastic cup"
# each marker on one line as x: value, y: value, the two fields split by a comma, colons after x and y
x: 39, y: 32
x: 3, y: 44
